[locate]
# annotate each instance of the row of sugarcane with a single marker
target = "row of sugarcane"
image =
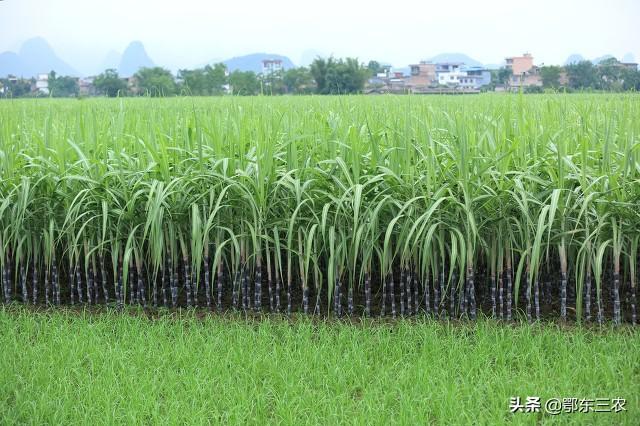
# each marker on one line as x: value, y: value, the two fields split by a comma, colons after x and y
x: 403, y: 292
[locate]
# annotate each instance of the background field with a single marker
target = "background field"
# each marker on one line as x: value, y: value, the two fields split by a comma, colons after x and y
x: 71, y: 367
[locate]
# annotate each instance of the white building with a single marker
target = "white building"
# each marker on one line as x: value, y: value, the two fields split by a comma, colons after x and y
x: 461, y: 76
x: 42, y: 83
x: 271, y: 66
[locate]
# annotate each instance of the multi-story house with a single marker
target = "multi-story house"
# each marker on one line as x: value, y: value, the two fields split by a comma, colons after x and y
x: 271, y: 66
x: 523, y: 72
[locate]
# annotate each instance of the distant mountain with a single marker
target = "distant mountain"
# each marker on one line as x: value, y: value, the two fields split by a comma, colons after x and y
x: 35, y: 56
x: 493, y: 66
x: 456, y: 57
x: 134, y: 58
x: 253, y: 62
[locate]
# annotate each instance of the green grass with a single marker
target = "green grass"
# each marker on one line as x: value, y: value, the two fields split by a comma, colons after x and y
x: 71, y: 367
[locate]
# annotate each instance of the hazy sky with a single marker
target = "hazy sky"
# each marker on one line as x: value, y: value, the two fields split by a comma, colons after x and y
x: 185, y: 33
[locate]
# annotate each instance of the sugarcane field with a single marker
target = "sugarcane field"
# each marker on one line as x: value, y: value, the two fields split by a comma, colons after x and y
x: 510, y: 208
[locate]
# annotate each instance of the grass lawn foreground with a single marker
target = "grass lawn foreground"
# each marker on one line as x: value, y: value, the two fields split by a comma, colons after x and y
x: 80, y: 367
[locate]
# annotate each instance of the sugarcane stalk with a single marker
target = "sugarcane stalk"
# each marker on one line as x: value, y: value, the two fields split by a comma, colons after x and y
x: 187, y: 279
x: 219, y: 286
x: 500, y: 295
x: 384, y: 297
x: 493, y: 293
x: 350, y: 300
x: 78, y: 283
x: 616, y: 294
x: 427, y: 302
x: 536, y: 298
x: 402, y: 291
x: 207, y: 284
x: 23, y: 283
x: 416, y: 295
x: 472, y: 292
x: 587, y: 295
x: 392, y: 295
x: 34, y: 281
x: 258, y: 287
x: 367, y: 294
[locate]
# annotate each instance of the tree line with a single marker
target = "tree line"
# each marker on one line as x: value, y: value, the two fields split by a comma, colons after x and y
x: 323, y: 76
x: 608, y: 75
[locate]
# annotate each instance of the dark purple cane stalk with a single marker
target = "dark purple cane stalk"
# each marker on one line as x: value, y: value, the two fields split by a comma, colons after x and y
x: 46, y: 286
x: 34, y: 281
x: 443, y: 311
x: 246, y: 299
x: 119, y: 286
x: 90, y: 285
x: 616, y: 298
x: 408, y: 285
x: 384, y: 297
x: 452, y: 297
x: 94, y: 278
x: 219, y: 287
x: 55, y: 281
x: 72, y: 280
x: 536, y: 298
x: 500, y: 295
x: 79, y: 283
x: 427, y: 302
x: 350, y: 300
x: 142, y: 298
x: 416, y: 296
x: 493, y: 295
x: 367, y: 294
x: 103, y: 277
x: 235, y: 289
x: 207, y: 284
x: 563, y: 295
x: 338, y: 302
x: 587, y: 296
x: 133, y: 294
x: 270, y: 285
x: 257, y: 304
x: 392, y: 295
x: 166, y: 274
x: 436, y: 297
x: 528, y: 296
x: 173, y: 282
x: 509, y: 293
x: 402, y: 292
x: 633, y: 304
x: 23, y: 283
x: 471, y: 292
x: 187, y: 279
x: 289, y: 301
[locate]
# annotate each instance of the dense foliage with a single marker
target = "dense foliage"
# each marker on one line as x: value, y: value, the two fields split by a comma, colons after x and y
x: 431, y: 203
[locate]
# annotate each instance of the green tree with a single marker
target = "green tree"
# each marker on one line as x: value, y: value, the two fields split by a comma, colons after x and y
x: 375, y: 67
x: 62, y: 87
x: 338, y: 76
x: 155, y: 81
x: 110, y: 84
x: 244, y: 83
x: 550, y: 76
x: 216, y: 78
x: 503, y: 75
x: 15, y: 88
x: 582, y: 75
x: 298, y: 80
